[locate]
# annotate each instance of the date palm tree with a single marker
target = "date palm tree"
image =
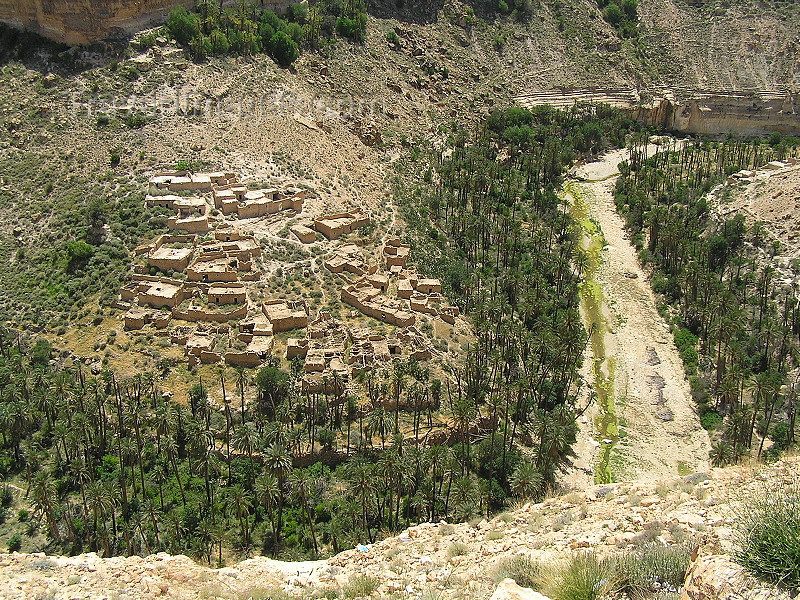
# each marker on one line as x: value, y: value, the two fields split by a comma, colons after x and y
x: 240, y: 502
x: 268, y: 492
x: 301, y: 483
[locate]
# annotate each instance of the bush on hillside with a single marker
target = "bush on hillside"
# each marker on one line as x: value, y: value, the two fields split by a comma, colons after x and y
x: 768, y: 536
x: 652, y: 568
x: 584, y: 577
x: 283, y: 49
x: 183, y: 25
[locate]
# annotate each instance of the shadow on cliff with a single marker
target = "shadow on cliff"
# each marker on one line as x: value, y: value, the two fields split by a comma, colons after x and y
x: 46, y: 56
x: 406, y: 11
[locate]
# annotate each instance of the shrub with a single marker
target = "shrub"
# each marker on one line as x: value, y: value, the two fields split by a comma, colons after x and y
x: 40, y: 355
x: 686, y: 342
x: 14, y: 543
x: 652, y: 568
x: 393, y: 38
x: 768, y: 536
x: 629, y: 8
x: 6, y: 496
x: 613, y: 14
x: 457, y: 549
x: 183, y: 25
x: 283, y: 49
x: 521, y: 568
x: 135, y: 120
x: 354, y: 29
x: 200, y: 46
x: 584, y: 577
x: 710, y: 419
x: 78, y: 253
x: 360, y: 585
x: 294, y: 31
x: 298, y: 13
x: 219, y: 42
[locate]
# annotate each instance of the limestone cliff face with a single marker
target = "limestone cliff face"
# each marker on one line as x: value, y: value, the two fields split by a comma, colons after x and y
x: 721, y: 113
x: 85, y: 21
x: 77, y: 22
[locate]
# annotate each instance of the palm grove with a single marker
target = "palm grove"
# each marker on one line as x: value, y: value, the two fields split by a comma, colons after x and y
x: 119, y: 467
x: 736, y: 319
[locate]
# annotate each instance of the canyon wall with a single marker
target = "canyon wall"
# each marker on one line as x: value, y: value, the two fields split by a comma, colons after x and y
x: 723, y: 113
x: 79, y: 22
x: 686, y: 111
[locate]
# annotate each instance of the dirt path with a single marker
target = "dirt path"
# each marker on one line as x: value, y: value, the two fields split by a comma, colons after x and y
x: 659, y: 431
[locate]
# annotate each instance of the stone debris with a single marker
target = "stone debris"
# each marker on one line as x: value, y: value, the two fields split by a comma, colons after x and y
x: 716, y: 577
x: 509, y: 590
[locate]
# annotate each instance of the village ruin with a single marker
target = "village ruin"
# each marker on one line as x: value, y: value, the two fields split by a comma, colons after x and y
x: 199, y: 283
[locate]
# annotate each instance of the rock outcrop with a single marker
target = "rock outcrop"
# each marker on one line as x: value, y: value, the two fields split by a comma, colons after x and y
x: 702, y: 113
x: 716, y: 577
x: 509, y: 590
x: 77, y: 22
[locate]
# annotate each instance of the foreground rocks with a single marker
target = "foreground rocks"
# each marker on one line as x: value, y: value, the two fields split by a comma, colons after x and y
x: 718, y: 578
x: 449, y: 561
x: 509, y: 590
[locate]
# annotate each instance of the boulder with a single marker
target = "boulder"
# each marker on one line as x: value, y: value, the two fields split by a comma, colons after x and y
x: 717, y: 577
x: 509, y: 590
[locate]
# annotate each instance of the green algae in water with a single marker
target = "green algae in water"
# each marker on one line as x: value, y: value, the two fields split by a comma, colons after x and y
x: 593, y: 299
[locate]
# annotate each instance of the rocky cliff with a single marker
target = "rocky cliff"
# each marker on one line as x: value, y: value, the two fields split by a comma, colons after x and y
x: 724, y: 113
x: 77, y: 22
x: 695, y: 112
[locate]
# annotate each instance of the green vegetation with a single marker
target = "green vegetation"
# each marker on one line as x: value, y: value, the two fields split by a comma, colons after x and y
x: 590, y: 259
x: 622, y: 16
x: 14, y: 543
x: 116, y: 468
x: 246, y: 29
x: 737, y: 324
x: 583, y: 577
x: 769, y: 536
x: 360, y: 586
x: 52, y: 272
x: 650, y: 571
x: 521, y: 568
x: 653, y: 568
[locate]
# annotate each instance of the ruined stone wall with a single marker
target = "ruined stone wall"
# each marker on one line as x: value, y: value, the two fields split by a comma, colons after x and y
x: 194, y: 313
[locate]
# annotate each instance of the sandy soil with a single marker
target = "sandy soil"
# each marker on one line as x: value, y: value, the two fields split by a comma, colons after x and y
x: 660, y: 430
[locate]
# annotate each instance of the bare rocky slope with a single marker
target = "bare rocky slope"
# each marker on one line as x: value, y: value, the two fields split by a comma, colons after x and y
x: 439, y: 560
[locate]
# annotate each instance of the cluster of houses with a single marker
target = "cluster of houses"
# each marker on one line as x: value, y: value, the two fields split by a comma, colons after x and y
x: 229, y: 195
x: 209, y: 292
x: 394, y: 295
x: 202, y: 273
x: 203, y: 282
x: 334, y: 353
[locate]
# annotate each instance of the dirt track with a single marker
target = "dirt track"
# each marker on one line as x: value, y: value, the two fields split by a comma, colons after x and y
x: 660, y: 433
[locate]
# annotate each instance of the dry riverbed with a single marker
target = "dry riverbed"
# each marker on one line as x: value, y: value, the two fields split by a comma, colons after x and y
x: 658, y: 432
